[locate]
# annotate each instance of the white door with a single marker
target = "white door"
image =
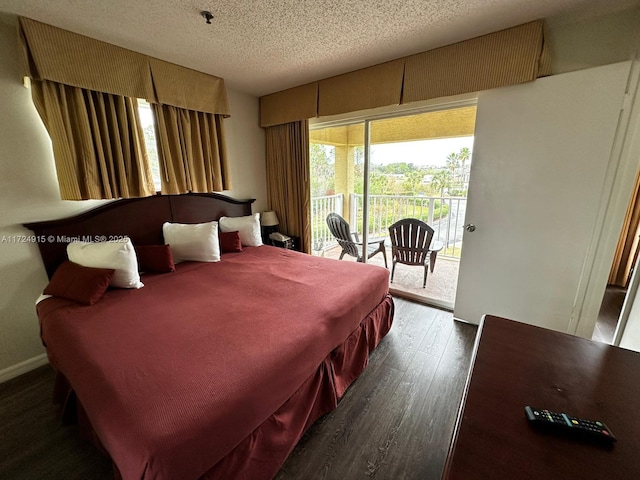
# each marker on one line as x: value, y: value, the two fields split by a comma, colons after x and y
x: 540, y: 157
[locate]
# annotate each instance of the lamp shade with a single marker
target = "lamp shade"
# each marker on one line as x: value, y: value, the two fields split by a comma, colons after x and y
x: 269, y: 219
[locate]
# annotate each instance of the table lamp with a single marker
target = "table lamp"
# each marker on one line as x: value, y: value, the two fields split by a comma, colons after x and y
x: 269, y: 222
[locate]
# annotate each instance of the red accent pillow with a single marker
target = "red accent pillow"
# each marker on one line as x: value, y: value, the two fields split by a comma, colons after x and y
x: 155, y: 258
x: 229, y: 242
x: 80, y: 284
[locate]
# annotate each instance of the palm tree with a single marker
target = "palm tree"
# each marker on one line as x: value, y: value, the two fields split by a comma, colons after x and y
x: 441, y: 181
x: 412, y: 181
x: 453, y: 162
x: 464, y: 155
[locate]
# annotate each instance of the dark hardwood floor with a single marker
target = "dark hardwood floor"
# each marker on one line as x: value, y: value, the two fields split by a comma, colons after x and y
x: 33, y: 442
x: 395, y: 422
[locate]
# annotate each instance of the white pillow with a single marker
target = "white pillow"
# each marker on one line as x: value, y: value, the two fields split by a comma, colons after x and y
x: 248, y: 229
x: 119, y: 255
x: 197, y: 242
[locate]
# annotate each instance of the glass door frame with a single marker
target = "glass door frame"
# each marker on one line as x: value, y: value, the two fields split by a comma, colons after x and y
x: 384, y: 113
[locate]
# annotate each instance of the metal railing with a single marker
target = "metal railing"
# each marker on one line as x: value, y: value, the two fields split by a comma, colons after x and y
x: 321, y: 207
x: 444, y: 214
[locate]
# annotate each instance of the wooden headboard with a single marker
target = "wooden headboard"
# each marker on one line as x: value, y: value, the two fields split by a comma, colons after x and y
x: 140, y: 219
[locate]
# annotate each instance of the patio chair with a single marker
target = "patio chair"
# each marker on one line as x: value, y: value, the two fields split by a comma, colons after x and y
x: 412, y: 244
x: 350, y: 242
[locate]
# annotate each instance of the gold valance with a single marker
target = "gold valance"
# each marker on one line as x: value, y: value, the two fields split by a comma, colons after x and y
x: 371, y: 87
x: 69, y: 58
x: 185, y: 88
x: 289, y: 105
x: 507, y: 57
x: 503, y: 58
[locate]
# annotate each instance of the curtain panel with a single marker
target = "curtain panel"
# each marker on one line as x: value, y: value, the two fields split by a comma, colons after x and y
x: 97, y: 141
x: 288, y: 190
x: 86, y: 91
x: 192, y: 150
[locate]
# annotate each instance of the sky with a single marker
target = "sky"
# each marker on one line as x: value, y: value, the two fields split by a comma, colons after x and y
x: 423, y: 152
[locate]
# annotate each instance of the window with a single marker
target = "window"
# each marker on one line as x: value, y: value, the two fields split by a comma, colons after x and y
x: 147, y: 121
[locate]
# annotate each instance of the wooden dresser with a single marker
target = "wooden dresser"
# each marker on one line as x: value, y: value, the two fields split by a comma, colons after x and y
x: 515, y: 365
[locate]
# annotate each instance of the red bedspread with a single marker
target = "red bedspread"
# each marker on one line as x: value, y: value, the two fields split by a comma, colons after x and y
x: 174, y: 375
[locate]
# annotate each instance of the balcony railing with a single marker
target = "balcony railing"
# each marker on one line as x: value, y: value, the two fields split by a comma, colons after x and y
x: 321, y: 207
x: 444, y: 214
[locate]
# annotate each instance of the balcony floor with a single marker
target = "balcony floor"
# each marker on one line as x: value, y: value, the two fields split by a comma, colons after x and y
x: 441, y: 284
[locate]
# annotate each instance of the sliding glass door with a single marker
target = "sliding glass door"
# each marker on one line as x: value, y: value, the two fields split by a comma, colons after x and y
x: 379, y: 171
x: 337, y: 173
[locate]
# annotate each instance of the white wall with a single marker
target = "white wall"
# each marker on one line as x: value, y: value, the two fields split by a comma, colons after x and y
x: 29, y: 192
x: 246, y: 149
x: 577, y: 43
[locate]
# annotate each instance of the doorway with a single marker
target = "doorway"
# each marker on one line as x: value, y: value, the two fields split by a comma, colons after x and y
x: 624, y: 263
x: 418, y: 167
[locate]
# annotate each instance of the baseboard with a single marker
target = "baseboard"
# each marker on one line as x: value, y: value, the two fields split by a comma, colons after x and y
x: 23, y: 367
x: 429, y: 302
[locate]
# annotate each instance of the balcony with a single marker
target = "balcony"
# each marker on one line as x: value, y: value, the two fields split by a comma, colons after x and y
x: 444, y: 214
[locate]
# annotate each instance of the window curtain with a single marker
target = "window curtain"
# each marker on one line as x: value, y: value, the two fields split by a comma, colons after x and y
x: 97, y: 141
x: 192, y: 150
x: 288, y: 190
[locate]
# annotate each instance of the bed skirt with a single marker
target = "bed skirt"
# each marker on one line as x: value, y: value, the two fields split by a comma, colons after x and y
x: 261, y: 454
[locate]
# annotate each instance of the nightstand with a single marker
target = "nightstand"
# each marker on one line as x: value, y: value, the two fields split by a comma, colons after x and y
x: 292, y: 244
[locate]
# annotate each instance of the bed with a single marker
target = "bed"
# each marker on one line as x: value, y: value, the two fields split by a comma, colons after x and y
x: 213, y: 371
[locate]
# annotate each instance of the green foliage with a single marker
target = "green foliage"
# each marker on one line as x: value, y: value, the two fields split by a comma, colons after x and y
x: 322, y: 163
x: 399, y: 179
x: 451, y: 251
x: 413, y: 179
x: 464, y: 155
x: 453, y: 162
x: 399, y: 168
x: 442, y: 181
x: 377, y: 183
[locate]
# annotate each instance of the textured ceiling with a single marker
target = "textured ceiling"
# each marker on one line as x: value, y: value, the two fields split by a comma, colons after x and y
x: 262, y: 46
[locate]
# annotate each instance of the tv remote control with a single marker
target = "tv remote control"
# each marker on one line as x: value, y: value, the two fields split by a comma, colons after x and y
x: 562, y: 422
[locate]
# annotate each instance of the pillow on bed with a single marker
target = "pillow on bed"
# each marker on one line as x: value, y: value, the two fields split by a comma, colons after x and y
x: 119, y: 255
x: 230, y: 242
x: 247, y: 227
x: 80, y: 284
x: 197, y: 242
x: 155, y: 258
